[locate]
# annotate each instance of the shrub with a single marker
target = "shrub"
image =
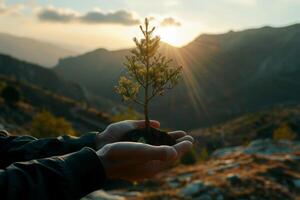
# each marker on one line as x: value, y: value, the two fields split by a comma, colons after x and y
x: 203, y: 154
x: 189, y: 158
x: 2, y: 85
x: 44, y: 124
x: 284, y: 132
x: 11, y: 95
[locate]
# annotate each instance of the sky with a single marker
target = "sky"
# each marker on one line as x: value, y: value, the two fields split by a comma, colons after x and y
x: 89, y: 24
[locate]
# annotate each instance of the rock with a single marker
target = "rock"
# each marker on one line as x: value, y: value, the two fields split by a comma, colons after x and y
x: 233, y: 179
x: 215, y: 191
x: 220, y: 197
x: 226, y: 151
x: 268, y: 147
x: 185, y: 177
x: 211, y: 172
x: 173, y: 183
x: 226, y: 167
x: 102, y: 195
x: 127, y: 194
x: 192, y: 189
x: 262, y: 147
x: 203, y: 197
x: 297, y: 183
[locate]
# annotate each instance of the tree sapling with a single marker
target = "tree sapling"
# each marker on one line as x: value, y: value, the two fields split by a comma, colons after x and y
x: 149, y: 73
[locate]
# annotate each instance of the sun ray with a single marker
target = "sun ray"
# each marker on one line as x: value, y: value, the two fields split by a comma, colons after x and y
x: 171, y: 36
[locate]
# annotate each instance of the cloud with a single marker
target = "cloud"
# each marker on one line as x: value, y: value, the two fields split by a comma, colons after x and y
x: 122, y: 17
x: 2, y: 8
x: 171, y: 3
x: 170, y: 21
x: 10, y: 10
x: 118, y: 17
x: 243, y: 2
x: 52, y: 14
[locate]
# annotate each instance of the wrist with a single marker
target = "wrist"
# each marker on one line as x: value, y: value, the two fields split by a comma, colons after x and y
x: 102, y: 155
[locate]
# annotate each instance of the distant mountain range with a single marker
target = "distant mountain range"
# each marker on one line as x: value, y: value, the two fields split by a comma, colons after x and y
x: 225, y: 75
x: 34, y: 51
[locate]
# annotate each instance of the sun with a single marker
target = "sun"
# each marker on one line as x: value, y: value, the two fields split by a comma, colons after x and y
x: 171, y: 36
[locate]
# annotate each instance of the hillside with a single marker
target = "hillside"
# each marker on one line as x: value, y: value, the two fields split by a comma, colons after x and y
x: 42, y: 89
x: 225, y: 75
x: 97, y: 70
x: 33, y: 51
x: 40, y: 76
x: 34, y: 99
x: 244, y: 163
x: 254, y: 176
x: 253, y: 126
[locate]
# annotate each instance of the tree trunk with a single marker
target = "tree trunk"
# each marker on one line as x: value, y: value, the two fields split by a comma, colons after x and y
x: 146, y: 111
x: 147, y: 120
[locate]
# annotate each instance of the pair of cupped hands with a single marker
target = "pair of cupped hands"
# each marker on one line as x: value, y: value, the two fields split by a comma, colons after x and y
x: 137, y: 161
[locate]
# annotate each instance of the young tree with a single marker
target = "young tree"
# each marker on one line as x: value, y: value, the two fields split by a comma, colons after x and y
x: 148, y: 70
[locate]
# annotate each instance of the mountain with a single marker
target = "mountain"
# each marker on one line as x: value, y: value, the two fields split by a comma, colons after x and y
x: 39, y: 76
x: 225, y: 75
x: 33, y: 51
x: 97, y: 70
x: 42, y: 89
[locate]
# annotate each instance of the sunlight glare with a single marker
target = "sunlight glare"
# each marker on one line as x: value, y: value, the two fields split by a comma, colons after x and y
x: 171, y: 36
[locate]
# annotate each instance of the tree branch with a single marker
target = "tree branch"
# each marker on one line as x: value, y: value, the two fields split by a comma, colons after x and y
x: 162, y: 87
x: 138, y: 102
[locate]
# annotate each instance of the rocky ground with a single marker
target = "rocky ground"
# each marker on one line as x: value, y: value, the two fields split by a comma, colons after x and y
x: 262, y: 170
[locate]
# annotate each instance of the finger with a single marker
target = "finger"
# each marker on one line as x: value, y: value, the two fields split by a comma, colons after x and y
x: 150, y: 169
x: 154, y: 124
x: 186, y: 138
x: 183, y: 147
x: 177, y: 134
x: 142, y: 123
x: 140, y: 152
x: 142, y: 171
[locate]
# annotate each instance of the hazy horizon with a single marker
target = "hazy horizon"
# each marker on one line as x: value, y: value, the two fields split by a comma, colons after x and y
x: 75, y: 49
x: 96, y: 24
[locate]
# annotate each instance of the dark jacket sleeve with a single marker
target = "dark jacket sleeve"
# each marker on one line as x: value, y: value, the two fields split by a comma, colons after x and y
x: 71, y: 176
x: 25, y: 148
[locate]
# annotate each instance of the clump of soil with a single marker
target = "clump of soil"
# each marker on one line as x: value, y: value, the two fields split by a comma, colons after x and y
x: 153, y: 137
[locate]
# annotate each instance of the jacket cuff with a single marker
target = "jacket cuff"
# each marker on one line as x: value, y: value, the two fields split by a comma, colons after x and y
x: 87, y: 140
x: 86, y: 172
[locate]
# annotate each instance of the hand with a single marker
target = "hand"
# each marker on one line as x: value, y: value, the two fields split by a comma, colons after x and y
x: 114, y: 132
x: 136, y: 161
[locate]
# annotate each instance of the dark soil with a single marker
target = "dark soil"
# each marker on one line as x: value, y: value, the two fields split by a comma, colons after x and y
x: 154, y: 137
